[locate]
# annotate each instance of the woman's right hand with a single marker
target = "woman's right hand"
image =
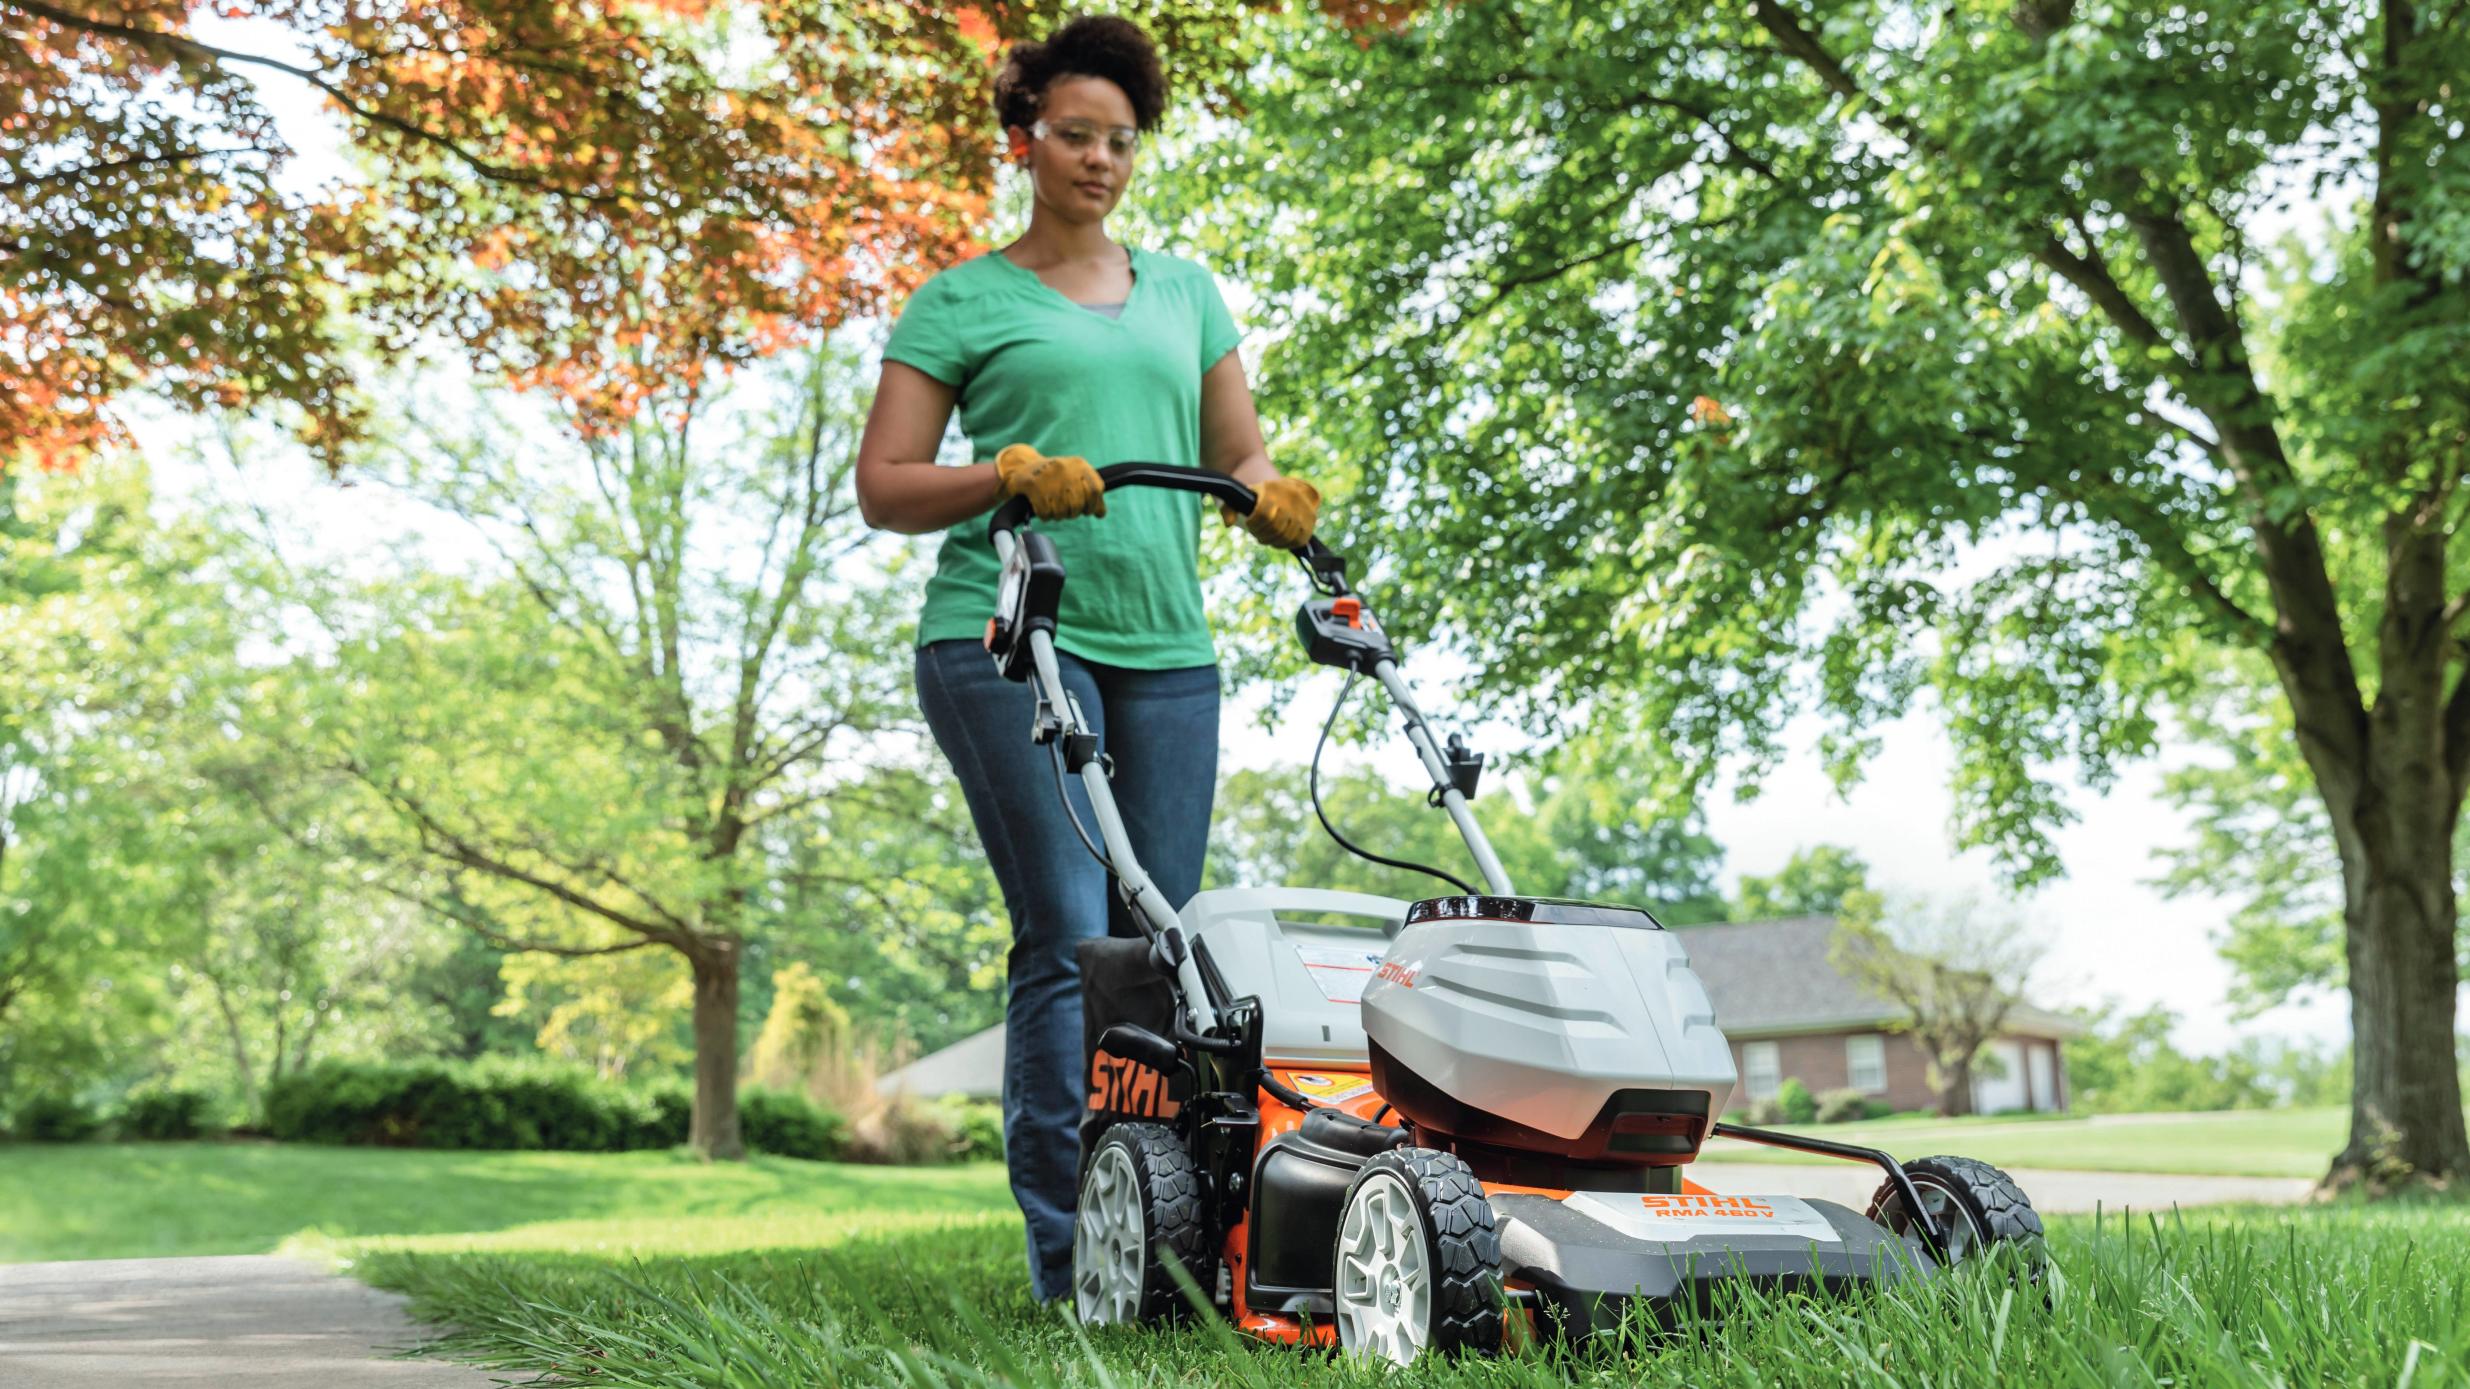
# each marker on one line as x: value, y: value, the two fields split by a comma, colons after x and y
x: 1057, y: 488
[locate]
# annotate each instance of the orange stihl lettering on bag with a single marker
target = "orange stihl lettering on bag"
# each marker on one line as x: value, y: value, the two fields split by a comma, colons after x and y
x: 1120, y: 1085
x: 1397, y: 974
x: 1749, y: 1206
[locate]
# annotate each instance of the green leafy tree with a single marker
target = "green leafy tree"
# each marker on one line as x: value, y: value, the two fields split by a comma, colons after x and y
x: 102, y: 623
x: 155, y: 918
x: 885, y: 894
x: 1570, y: 831
x: 681, y: 648
x: 1721, y: 364
x: 1821, y: 880
x: 2128, y: 1064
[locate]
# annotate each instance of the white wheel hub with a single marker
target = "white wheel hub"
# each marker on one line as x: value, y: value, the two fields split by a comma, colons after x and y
x: 1953, y: 1221
x: 1109, y: 1242
x: 1384, y: 1289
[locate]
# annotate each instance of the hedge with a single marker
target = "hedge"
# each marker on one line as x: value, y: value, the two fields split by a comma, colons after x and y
x: 508, y: 1104
x: 491, y: 1103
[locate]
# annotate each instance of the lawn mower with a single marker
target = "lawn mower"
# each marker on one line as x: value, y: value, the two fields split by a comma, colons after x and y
x: 1395, y: 1127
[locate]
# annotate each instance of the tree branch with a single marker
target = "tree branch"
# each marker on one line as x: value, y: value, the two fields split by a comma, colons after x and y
x: 316, y: 77
x: 454, y: 848
x: 454, y: 906
x: 79, y: 172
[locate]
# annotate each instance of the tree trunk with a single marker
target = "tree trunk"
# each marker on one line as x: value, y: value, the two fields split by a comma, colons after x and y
x: 2393, y: 814
x: 714, y: 1131
x: 2405, y: 1095
x: 1955, y: 1089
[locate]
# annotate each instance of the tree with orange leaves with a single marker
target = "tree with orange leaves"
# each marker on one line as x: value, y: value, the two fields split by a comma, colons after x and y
x: 604, y: 197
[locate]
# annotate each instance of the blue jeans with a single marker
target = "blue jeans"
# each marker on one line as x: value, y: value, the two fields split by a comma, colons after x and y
x: 1161, y: 727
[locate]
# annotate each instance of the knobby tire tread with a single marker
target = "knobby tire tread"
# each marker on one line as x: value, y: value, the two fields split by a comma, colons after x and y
x: 1466, y: 1247
x: 1173, y: 1200
x: 2004, y: 1213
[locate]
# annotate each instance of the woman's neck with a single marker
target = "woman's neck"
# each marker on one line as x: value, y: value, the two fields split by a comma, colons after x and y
x: 1052, y: 241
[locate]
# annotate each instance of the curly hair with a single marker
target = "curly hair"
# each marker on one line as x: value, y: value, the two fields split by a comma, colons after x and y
x: 1090, y: 46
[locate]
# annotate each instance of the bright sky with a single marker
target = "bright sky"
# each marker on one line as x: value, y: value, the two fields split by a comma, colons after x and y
x: 2112, y: 936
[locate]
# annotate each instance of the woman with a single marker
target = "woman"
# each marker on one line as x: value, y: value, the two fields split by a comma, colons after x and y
x: 1062, y: 347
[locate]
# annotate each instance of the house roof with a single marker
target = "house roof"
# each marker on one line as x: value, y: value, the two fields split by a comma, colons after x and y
x: 1772, y: 978
x: 1767, y: 979
x: 972, y: 1066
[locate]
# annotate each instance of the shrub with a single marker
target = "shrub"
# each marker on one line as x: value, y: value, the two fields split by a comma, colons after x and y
x: 167, y: 1113
x: 1763, y: 1114
x: 1845, y: 1106
x: 1796, y: 1101
x: 494, y: 1103
x: 52, y: 1117
x: 662, y: 1115
x: 787, y: 1125
x: 978, y: 1130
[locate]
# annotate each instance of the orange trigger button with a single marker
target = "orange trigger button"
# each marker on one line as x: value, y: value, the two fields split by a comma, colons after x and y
x: 1351, y: 609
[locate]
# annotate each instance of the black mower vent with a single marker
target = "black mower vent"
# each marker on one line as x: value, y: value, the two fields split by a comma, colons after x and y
x: 1543, y: 911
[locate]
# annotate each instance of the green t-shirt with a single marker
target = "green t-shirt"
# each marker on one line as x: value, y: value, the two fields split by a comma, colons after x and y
x: 1035, y: 368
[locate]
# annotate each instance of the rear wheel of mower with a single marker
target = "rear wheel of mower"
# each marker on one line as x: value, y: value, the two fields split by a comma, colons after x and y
x: 1418, y: 1262
x: 1978, y: 1208
x: 1140, y: 1200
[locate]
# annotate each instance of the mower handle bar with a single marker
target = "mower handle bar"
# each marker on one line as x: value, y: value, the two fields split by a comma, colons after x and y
x: 1326, y: 565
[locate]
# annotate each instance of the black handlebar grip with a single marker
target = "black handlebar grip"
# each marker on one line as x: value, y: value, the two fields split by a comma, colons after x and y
x: 1205, y: 481
x: 1328, y: 569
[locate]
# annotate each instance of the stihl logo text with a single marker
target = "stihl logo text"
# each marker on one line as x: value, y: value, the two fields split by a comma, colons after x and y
x: 1397, y: 974
x: 1120, y: 1085
x: 1709, y: 1205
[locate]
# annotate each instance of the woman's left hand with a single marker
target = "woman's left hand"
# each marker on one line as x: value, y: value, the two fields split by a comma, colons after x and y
x: 1284, y: 513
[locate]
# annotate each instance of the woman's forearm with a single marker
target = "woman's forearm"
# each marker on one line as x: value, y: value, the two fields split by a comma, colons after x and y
x: 920, y: 498
x: 1252, y: 469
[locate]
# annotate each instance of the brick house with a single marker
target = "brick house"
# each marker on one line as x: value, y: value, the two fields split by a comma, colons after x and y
x: 1777, y: 996
x: 1790, y: 1013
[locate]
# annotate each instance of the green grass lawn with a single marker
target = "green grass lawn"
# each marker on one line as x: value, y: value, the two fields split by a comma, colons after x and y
x: 139, y: 1200
x: 2247, y: 1143
x: 650, y: 1269
x: 2325, y: 1296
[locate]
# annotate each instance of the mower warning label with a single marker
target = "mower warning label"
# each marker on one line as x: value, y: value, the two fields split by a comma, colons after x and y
x: 1330, y: 1088
x: 1339, y: 971
x: 1671, y: 1219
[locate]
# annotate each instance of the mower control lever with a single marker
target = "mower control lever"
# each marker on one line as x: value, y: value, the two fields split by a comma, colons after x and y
x: 1338, y: 632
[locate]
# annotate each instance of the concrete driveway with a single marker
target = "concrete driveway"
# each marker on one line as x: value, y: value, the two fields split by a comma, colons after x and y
x: 223, y: 1323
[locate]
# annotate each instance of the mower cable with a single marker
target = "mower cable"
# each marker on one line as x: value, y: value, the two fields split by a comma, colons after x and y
x: 1054, y: 754
x: 1314, y: 781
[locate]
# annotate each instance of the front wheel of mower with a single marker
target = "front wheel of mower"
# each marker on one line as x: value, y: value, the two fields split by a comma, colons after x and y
x: 1140, y: 1202
x: 1977, y: 1207
x: 1418, y: 1261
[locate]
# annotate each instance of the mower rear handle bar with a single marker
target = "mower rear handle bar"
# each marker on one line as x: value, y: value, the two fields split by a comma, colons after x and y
x: 1327, y: 566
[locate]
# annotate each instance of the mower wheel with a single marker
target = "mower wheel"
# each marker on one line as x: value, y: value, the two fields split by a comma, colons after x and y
x: 1418, y: 1262
x: 1140, y: 1201
x: 1977, y: 1207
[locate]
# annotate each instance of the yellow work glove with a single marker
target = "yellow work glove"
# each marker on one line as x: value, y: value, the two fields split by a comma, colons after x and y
x: 1283, y: 513
x: 1057, y: 488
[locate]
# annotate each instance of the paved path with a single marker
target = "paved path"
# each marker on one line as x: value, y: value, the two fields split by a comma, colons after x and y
x: 225, y: 1323
x: 2052, y: 1192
